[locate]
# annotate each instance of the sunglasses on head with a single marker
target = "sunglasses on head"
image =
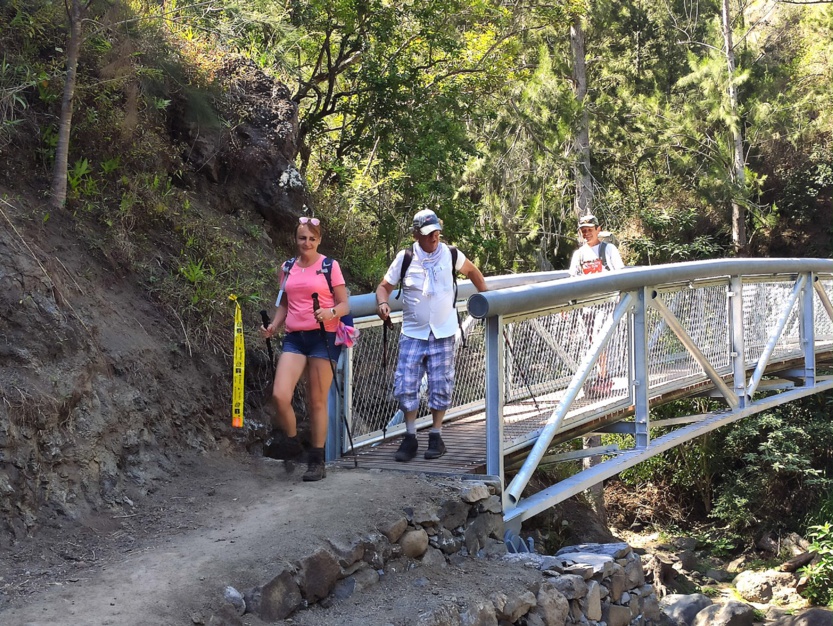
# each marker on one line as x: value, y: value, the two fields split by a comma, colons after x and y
x: 311, y: 220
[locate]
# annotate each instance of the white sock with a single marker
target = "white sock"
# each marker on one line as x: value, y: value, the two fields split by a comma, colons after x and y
x: 436, y: 430
x: 410, y: 428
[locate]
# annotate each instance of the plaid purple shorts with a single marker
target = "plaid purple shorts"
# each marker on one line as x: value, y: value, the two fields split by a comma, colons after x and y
x: 416, y: 357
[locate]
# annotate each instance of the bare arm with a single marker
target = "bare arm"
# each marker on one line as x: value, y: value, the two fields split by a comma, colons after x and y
x: 383, y: 293
x: 470, y: 271
x: 278, y: 318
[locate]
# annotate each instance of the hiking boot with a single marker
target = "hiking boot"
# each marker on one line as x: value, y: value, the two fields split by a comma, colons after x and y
x: 315, y: 466
x: 436, y: 447
x: 407, y: 449
x: 280, y: 446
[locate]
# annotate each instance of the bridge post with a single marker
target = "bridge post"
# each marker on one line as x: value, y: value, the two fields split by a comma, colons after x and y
x: 641, y: 382
x: 494, y: 399
x: 807, y: 330
x: 736, y: 329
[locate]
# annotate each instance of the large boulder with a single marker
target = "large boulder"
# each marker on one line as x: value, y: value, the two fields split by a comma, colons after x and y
x: 813, y: 617
x: 730, y: 614
x: 682, y: 609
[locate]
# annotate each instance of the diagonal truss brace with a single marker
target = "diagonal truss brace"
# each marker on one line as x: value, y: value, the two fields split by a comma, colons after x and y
x: 690, y: 345
x: 775, y: 335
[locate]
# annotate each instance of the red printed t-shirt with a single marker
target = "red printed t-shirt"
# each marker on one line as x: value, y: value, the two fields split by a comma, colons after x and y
x: 301, y: 284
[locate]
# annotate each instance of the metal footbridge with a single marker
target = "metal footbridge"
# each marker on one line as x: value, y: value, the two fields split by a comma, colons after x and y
x: 549, y: 359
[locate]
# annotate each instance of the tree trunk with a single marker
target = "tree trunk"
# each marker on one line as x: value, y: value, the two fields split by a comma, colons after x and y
x: 59, y: 173
x: 581, y: 145
x: 583, y: 206
x: 738, y: 161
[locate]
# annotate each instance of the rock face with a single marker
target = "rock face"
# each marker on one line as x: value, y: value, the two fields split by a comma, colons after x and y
x: 250, y: 163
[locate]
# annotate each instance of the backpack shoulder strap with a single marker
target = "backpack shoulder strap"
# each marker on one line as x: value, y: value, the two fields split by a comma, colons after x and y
x: 406, y: 263
x: 287, y: 265
x: 453, y: 250
x: 326, y: 269
x: 603, y: 254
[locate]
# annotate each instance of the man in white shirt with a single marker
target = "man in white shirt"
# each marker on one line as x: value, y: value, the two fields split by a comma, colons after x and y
x: 593, y: 257
x: 429, y: 323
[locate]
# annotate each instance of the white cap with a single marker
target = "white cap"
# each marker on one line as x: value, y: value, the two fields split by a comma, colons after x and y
x: 426, y: 222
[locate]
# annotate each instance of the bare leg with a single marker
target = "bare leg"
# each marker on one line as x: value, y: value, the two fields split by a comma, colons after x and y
x: 320, y: 379
x: 290, y: 368
x: 438, y: 416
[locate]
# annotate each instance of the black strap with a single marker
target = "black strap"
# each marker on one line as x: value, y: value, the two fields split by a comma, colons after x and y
x: 603, y: 255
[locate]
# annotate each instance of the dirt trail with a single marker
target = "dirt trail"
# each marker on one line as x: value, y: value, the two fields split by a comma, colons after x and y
x: 222, y: 521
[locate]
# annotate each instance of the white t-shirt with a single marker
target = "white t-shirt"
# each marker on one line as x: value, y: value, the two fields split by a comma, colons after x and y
x: 424, y: 312
x: 586, y: 260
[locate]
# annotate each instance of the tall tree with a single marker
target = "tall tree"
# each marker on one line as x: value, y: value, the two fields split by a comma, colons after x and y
x: 581, y: 146
x: 735, y: 130
x: 58, y: 191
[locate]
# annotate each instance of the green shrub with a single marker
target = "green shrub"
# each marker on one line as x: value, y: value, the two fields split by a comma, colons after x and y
x: 819, y: 575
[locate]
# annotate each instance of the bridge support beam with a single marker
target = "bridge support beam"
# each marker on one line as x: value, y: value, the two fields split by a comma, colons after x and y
x: 495, y: 364
x: 738, y: 351
x: 641, y: 382
x: 808, y: 331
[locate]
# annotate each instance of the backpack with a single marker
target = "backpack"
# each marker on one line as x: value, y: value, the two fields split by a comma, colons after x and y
x: 406, y: 263
x: 326, y: 270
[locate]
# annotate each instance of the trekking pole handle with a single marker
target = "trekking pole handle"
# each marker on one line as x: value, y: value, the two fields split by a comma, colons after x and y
x: 265, y: 317
x: 315, y: 306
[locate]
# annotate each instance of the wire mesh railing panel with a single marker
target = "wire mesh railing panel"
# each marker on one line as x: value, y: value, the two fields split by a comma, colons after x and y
x: 373, y: 367
x: 470, y: 364
x: 763, y: 305
x: 789, y: 342
x: 703, y: 314
x: 543, y: 355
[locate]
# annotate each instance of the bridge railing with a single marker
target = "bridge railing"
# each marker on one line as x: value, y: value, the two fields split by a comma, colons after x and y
x: 571, y: 350
x: 597, y: 348
x: 367, y: 369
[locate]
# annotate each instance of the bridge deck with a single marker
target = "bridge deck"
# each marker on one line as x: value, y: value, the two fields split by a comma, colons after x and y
x: 464, y: 438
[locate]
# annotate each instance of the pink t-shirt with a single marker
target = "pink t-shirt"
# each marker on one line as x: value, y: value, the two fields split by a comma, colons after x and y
x: 301, y: 284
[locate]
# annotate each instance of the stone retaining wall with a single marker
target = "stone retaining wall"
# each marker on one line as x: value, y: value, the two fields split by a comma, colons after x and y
x: 595, y: 584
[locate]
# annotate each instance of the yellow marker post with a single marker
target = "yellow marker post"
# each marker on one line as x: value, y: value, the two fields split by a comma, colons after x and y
x: 239, y: 366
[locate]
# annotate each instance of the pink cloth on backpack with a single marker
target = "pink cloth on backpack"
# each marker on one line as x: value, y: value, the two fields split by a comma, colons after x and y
x: 301, y: 284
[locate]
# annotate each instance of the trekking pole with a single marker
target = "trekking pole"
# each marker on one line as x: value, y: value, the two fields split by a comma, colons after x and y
x: 387, y: 324
x: 265, y: 317
x: 514, y: 358
x: 315, y: 307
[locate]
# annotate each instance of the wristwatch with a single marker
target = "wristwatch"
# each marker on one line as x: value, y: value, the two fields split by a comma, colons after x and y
x: 333, y: 311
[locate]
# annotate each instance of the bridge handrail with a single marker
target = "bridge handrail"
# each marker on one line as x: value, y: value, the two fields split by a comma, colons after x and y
x: 364, y: 305
x: 515, y: 300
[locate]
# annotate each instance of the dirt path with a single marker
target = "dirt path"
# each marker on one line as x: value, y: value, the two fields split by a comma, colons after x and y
x: 222, y: 521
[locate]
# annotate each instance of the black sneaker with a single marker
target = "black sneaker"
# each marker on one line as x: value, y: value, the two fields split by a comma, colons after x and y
x: 279, y: 446
x: 407, y: 449
x: 315, y: 466
x: 436, y: 447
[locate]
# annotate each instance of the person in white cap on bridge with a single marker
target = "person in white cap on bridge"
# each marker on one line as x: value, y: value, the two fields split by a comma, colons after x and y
x: 429, y: 324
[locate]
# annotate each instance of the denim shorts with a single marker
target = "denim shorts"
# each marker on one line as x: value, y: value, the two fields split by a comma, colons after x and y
x: 311, y: 344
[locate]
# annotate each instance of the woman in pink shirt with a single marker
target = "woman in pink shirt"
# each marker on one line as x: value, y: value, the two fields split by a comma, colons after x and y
x: 305, y: 348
